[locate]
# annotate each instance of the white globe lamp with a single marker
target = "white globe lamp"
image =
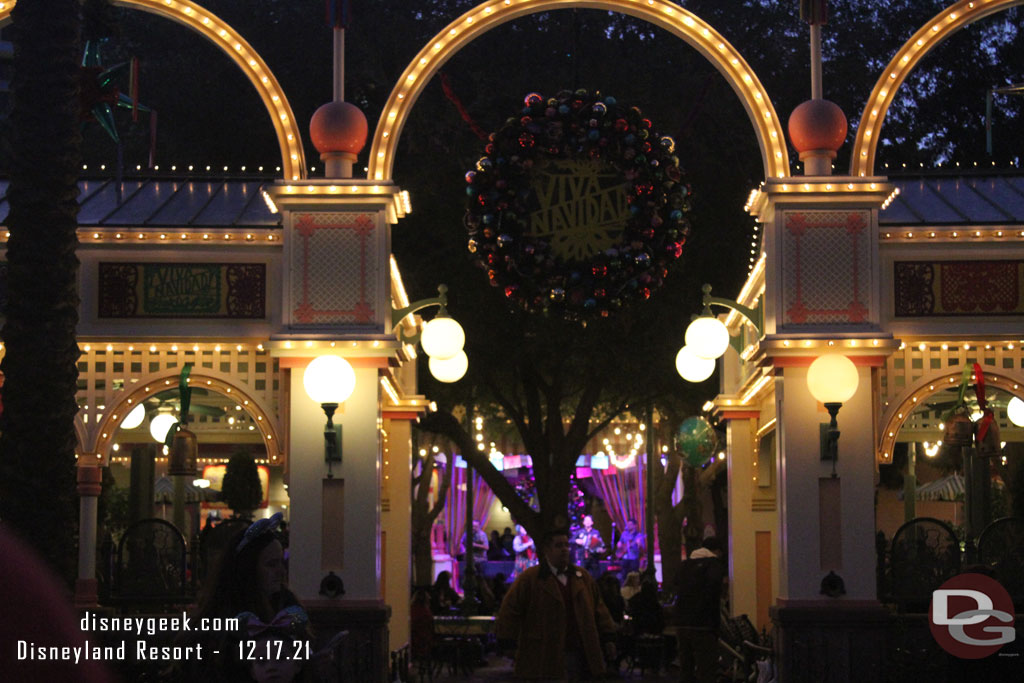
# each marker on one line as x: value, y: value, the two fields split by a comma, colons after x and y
x: 692, y: 367
x: 832, y: 378
x: 134, y: 417
x: 1015, y: 411
x: 443, y: 338
x: 449, y: 370
x: 707, y: 337
x: 159, y: 426
x: 329, y: 379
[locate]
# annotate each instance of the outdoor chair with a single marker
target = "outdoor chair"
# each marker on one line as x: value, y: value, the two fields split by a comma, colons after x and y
x: 151, y: 568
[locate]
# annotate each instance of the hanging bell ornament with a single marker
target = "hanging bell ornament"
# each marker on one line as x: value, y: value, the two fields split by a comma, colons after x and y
x: 959, y: 429
x: 184, y: 454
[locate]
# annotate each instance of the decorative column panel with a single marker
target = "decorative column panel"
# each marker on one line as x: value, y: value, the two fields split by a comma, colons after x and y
x: 337, y: 272
x: 821, y: 242
x: 822, y: 295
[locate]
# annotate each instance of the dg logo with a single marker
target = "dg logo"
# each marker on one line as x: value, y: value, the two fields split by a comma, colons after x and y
x: 971, y: 616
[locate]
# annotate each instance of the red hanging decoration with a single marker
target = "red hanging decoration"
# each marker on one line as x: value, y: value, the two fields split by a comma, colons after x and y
x: 133, y: 89
x: 987, y: 427
x: 449, y: 92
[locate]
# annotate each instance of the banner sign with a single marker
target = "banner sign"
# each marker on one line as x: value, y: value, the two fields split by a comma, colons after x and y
x: 182, y: 290
x: 958, y: 288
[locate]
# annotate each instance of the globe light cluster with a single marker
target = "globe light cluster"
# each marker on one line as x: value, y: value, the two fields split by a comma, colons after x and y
x: 443, y: 340
x: 706, y: 339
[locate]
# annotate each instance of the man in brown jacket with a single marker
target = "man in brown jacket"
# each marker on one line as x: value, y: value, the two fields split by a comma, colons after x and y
x: 555, y: 614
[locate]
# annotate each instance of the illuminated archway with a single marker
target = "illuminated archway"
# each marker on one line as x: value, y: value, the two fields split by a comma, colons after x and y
x: 214, y: 29
x: 940, y: 27
x: 661, y: 13
x: 103, y: 434
x: 897, y: 415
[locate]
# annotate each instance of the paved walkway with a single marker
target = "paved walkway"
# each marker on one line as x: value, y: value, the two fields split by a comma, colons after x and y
x: 500, y: 669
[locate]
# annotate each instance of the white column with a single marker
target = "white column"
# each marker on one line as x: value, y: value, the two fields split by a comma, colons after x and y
x: 359, y: 540
x: 90, y: 484
x: 397, y: 523
x: 800, y: 472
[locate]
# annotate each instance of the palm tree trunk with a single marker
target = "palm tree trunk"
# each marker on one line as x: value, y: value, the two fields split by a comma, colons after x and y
x: 38, y: 440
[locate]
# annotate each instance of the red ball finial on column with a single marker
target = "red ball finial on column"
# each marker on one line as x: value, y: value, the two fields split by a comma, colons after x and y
x: 817, y: 129
x: 338, y: 131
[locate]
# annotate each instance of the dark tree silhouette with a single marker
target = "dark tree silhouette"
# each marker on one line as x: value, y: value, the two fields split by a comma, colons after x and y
x: 242, y: 490
x: 37, y: 446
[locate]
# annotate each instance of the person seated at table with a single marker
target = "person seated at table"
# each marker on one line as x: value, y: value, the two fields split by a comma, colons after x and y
x: 612, y: 596
x: 421, y: 626
x: 632, y: 586
x: 443, y: 597
x: 646, y: 610
x: 485, y: 596
x: 499, y: 586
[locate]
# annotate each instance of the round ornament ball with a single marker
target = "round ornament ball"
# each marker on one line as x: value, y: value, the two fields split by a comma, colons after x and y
x: 696, y: 440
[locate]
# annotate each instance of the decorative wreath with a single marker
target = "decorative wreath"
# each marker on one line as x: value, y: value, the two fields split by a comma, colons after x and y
x: 577, y: 207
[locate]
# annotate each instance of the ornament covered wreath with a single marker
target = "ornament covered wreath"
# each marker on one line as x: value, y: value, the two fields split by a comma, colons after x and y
x: 578, y: 206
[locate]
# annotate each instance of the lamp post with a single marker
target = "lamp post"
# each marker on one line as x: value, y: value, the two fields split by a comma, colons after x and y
x: 707, y: 337
x: 329, y: 381
x: 832, y: 380
x: 441, y: 338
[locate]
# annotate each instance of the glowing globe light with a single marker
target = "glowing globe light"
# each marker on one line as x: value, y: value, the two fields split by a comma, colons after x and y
x: 707, y: 337
x: 832, y: 378
x: 160, y: 425
x: 449, y: 370
x: 443, y: 338
x: 329, y: 379
x: 692, y: 367
x: 1015, y: 411
x: 134, y: 417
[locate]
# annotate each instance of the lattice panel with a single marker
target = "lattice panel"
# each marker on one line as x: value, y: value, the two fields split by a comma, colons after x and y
x: 916, y: 360
x: 920, y: 369
x: 106, y: 372
x: 826, y: 267
x: 335, y: 269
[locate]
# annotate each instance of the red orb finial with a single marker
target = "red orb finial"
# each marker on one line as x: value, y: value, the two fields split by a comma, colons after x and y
x: 817, y: 127
x: 338, y: 128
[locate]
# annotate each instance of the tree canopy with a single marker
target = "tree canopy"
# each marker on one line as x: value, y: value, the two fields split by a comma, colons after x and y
x: 556, y: 382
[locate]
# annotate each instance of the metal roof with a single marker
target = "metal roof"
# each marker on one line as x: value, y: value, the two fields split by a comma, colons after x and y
x: 237, y: 202
x: 168, y: 202
x: 957, y: 200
